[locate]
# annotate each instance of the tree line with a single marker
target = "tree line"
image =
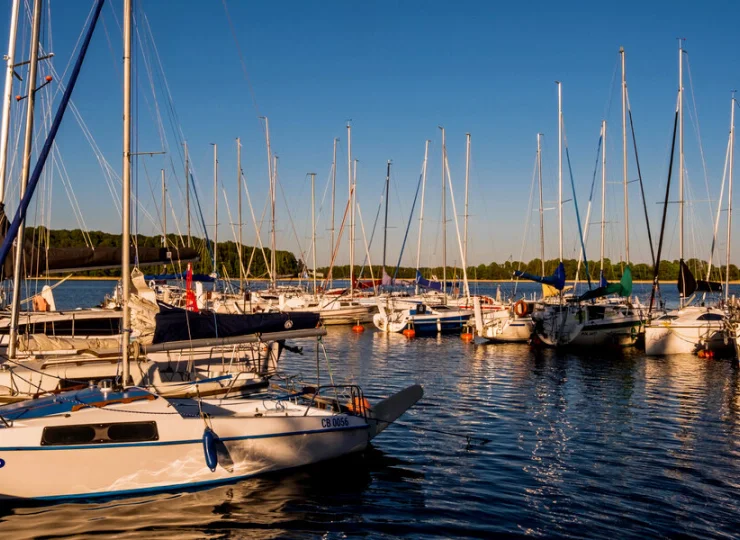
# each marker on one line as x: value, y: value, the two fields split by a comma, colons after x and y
x: 288, y: 265
x: 227, y: 256
x: 503, y: 271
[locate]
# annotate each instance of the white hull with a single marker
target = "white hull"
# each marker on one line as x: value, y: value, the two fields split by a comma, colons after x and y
x: 557, y: 326
x: 93, y: 444
x: 506, y: 327
x: 686, y: 331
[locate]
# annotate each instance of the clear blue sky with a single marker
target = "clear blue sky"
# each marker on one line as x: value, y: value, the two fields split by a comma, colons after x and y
x: 398, y: 70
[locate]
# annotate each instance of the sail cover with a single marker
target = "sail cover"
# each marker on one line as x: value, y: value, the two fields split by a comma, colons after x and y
x: 204, y: 278
x: 623, y: 288
x: 686, y: 281
x: 175, y: 324
x: 429, y: 284
x: 556, y: 280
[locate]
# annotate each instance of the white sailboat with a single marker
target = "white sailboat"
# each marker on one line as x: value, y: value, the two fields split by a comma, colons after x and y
x: 105, y: 441
x: 691, y: 327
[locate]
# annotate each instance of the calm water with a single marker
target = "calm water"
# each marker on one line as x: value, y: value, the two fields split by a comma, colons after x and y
x: 599, y: 445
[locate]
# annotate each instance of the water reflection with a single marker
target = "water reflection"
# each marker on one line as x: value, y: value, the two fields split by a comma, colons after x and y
x: 329, y: 496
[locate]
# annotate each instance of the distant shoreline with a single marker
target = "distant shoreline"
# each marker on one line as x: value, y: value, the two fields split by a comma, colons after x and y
x: 110, y: 278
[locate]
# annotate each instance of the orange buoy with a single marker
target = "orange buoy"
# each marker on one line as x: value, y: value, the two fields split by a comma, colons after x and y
x: 358, y: 328
x: 701, y: 353
x: 409, y: 332
x: 466, y: 337
x: 709, y: 354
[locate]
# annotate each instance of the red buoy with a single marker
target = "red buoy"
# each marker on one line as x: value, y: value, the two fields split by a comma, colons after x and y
x: 466, y: 337
x: 701, y: 353
x: 409, y: 332
x: 358, y: 328
x: 709, y: 354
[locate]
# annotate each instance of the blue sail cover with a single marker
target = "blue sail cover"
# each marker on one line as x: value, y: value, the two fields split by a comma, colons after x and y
x: 427, y: 284
x: 205, y: 278
x: 557, y: 279
x: 602, y: 280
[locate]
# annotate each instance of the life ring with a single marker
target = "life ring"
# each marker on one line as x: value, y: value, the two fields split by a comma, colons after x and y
x: 521, y: 308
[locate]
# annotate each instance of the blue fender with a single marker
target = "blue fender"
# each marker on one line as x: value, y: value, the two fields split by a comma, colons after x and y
x: 209, y: 448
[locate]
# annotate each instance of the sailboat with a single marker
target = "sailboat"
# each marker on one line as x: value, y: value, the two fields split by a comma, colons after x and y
x: 110, y: 440
x: 611, y: 316
x: 513, y: 323
x: 691, y: 327
x: 438, y: 313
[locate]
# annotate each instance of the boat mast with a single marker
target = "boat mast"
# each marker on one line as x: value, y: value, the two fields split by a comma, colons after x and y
x: 27, y: 148
x: 164, y: 211
x: 560, y: 170
x: 421, y: 214
x: 351, y: 212
x: 333, y: 198
x: 465, y: 217
x: 7, y: 95
x: 126, y: 185
x: 273, y: 240
x: 215, y: 208
x: 269, y: 175
x: 187, y: 192
x: 729, y: 196
x: 542, y: 208
x: 624, y: 163
x: 313, y: 229
x: 239, y: 185
x: 603, y: 194
x: 444, y: 217
x: 387, y: 196
x: 680, y: 157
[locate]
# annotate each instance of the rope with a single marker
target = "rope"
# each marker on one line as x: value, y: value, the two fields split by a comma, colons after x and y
x: 575, y: 203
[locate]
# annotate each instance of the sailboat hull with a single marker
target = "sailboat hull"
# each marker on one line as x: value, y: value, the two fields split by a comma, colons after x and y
x: 666, y: 340
x: 175, y: 460
x: 506, y: 327
x: 620, y: 333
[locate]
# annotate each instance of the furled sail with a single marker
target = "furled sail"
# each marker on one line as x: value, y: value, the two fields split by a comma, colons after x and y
x: 556, y: 280
x: 623, y: 288
x: 204, y: 278
x: 686, y: 281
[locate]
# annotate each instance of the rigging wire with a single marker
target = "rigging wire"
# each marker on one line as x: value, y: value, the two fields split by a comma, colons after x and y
x: 695, y: 121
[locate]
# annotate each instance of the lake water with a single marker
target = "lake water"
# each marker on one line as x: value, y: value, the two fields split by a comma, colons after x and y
x: 594, y: 445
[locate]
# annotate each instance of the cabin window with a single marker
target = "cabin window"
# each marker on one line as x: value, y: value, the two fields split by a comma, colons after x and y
x: 710, y: 317
x: 99, y: 433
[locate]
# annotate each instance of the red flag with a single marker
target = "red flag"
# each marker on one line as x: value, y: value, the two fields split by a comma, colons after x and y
x: 190, y: 301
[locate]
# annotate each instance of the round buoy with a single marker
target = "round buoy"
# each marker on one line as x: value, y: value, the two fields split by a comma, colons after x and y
x: 409, y: 332
x: 701, y: 353
x: 358, y: 328
x: 466, y: 337
x: 709, y: 354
